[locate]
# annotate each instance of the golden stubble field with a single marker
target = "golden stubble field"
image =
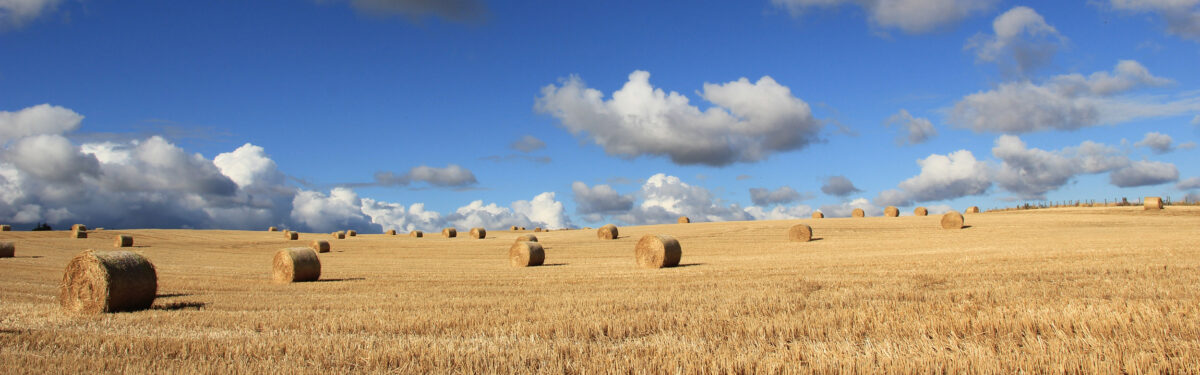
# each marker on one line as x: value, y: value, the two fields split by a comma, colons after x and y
x: 1087, y: 290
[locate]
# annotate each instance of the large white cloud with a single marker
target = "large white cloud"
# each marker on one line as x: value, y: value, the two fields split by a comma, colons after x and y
x: 844, y: 209
x: 1021, y: 41
x: 748, y: 122
x: 37, y: 120
x: 17, y: 13
x: 665, y: 198
x: 1031, y: 173
x: 957, y: 174
x: 1144, y: 173
x: 248, y: 165
x: 340, y: 209
x: 1182, y: 16
x: 911, y: 16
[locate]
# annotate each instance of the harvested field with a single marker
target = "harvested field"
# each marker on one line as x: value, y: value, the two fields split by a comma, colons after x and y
x: 1048, y: 290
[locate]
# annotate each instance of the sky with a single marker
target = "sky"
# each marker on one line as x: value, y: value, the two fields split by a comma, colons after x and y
x: 324, y: 115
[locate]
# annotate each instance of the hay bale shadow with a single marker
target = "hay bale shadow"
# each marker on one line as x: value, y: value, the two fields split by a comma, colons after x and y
x: 339, y: 280
x: 169, y: 295
x: 689, y: 265
x: 816, y: 239
x: 181, y: 306
x: 966, y: 227
x: 29, y: 256
x: 553, y: 264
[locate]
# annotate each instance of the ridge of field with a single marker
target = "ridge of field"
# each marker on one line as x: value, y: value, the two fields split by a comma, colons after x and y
x: 1064, y: 290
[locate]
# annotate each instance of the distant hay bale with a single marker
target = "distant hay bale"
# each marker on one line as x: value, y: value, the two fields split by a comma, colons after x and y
x: 527, y: 237
x: 8, y: 249
x: 78, y: 234
x: 818, y: 215
x: 449, y: 232
x: 800, y: 233
x: 79, y: 227
x: 5, y: 228
x: 123, y: 240
x: 416, y: 234
x: 952, y: 220
x: 478, y: 233
x: 351, y: 233
x: 514, y: 227
x: 526, y: 254
x: 658, y: 251
x: 522, y: 228
x: 972, y: 210
x: 684, y: 220
x: 390, y: 232
x: 538, y: 229
x: 320, y: 246
x: 607, y: 232
x: 272, y: 229
x: 921, y: 211
x: 98, y: 282
x: 858, y: 212
x: 290, y: 235
x: 296, y: 264
x: 891, y: 211
x: 339, y: 235
x: 1153, y: 203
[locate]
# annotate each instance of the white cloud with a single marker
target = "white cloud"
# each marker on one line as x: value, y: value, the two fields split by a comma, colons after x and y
x: 248, y: 165
x: 53, y: 158
x: 844, y: 209
x: 1031, y: 173
x: 779, y: 212
x: 543, y: 209
x: 341, y: 209
x: 1144, y: 173
x: 528, y: 143
x: 17, y: 13
x: 919, y: 129
x: 783, y: 195
x: 1189, y: 184
x: 395, y: 216
x: 1020, y: 35
x: 748, y: 122
x: 911, y: 16
x: 37, y: 120
x: 949, y: 176
x: 1066, y: 102
x: 1182, y: 16
x: 1158, y: 142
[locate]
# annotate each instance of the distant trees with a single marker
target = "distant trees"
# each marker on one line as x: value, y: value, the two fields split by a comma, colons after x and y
x: 42, y: 227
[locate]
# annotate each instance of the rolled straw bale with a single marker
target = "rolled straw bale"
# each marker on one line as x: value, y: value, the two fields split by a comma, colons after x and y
x: 526, y: 254
x: 339, y: 235
x: 891, y: 211
x: 684, y: 220
x: 858, y: 212
x: 79, y: 227
x: 78, y: 234
x: 921, y: 211
x: 1153, y: 203
x: 5, y: 228
x: 522, y: 228
x: 351, y: 233
x: 607, y: 232
x: 96, y: 282
x: 449, y: 232
x: 7, y: 249
x: 538, y: 229
x: 658, y: 251
x: 527, y: 237
x: 320, y: 246
x: 290, y: 235
x: 972, y: 210
x: 800, y: 233
x: 416, y: 234
x: 952, y: 220
x: 390, y: 232
x: 272, y: 229
x: 514, y: 227
x: 296, y: 264
x: 478, y: 233
x: 123, y: 240
x: 818, y: 215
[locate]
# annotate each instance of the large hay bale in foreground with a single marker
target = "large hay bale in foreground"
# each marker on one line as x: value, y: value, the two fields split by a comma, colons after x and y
x: 1153, y: 203
x: 416, y: 234
x: 818, y: 215
x: 972, y: 210
x: 607, y: 232
x: 291, y: 236
x: 684, y: 220
x: 858, y: 212
x: 449, y: 232
x: 478, y: 233
x: 8, y: 249
x: 351, y: 233
x: 527, y: 237
x: 96, y: 282
x: 526, y: 254
x: 952, y: 220
x: 78, y: 234
x: 921, y: 211
x: 320, y: 246
x: 800, y: 233
x: 296, y: 264
x: 891, y: 211
x: 272, y: 229
x: 123, y: 240
x: 658, y: 251
x: 79, y: 227
x: 390, y: 232
x: 339, y: 235
x: 5, y: 228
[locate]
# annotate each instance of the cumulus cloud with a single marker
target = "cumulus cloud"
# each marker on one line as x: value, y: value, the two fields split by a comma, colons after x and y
x: 527, y: 143
x: 748, y: 122
x: 339, y: 210
x: 783, y: 195
x: 18, y: 13
x: 839, y: 186
x: 53, y: 158
x: 452, y: 175
x: 1189, y: 184
x: 37, y: 120
x: 1144, y: 173
x: 1021, y: 41
x: 954, y: 175
x: 1031, y: 173
x: 918, y: 129
x: 454, y: 10
x: 1066, y: 102
x: 844, y: 209
x: 599, y: 200
x: 1158, y: 142
x: 910, y: 16
x: 1182, y: 16
x: 249, y: 165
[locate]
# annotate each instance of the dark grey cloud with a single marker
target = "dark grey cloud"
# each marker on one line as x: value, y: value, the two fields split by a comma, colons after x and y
x: 1157, y: 142
x: 783, y: 195
x: 454, y: 10
x: 839, y: 186
x: 452, y: 175
x: 1144, y: 173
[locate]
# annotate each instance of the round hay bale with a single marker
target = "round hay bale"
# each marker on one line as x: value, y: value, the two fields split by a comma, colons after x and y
x: 390, y: 232
x: 5, y: 228
x: 684, y: 220
x: 291, y: 236
x: 952, y: 220
x: 658, y: 251
x: 920, y: 211
x: 78, y: 234
x: 527, y: 237
x: 351, y: 233
x: 538, y: 229
x: 449, y: 232
x: 891, y: 211
x: 818, y: 215
x: 1152, y: 203
x: 296, y: 264
x: 79, y: 227
x: 607, y: 232
x: 526, y: 254
x: 272, y: 229
x: 416, y: 234
x: 320, y: 246
x: 514, y: 227
x: 478, y: 233
x: 96, y: 282
x: 8, y: 249
x: 973, y: 210
x: 339, y: 235
x: 858, y: 212
x: 123, y: 240
x: 522, y: 228
x: 800, y: 233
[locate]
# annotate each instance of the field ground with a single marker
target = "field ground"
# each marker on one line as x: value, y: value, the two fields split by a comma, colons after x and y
x: 1074, y: 290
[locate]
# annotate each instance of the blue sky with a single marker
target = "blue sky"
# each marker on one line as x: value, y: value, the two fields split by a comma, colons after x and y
x: 324, y: 115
